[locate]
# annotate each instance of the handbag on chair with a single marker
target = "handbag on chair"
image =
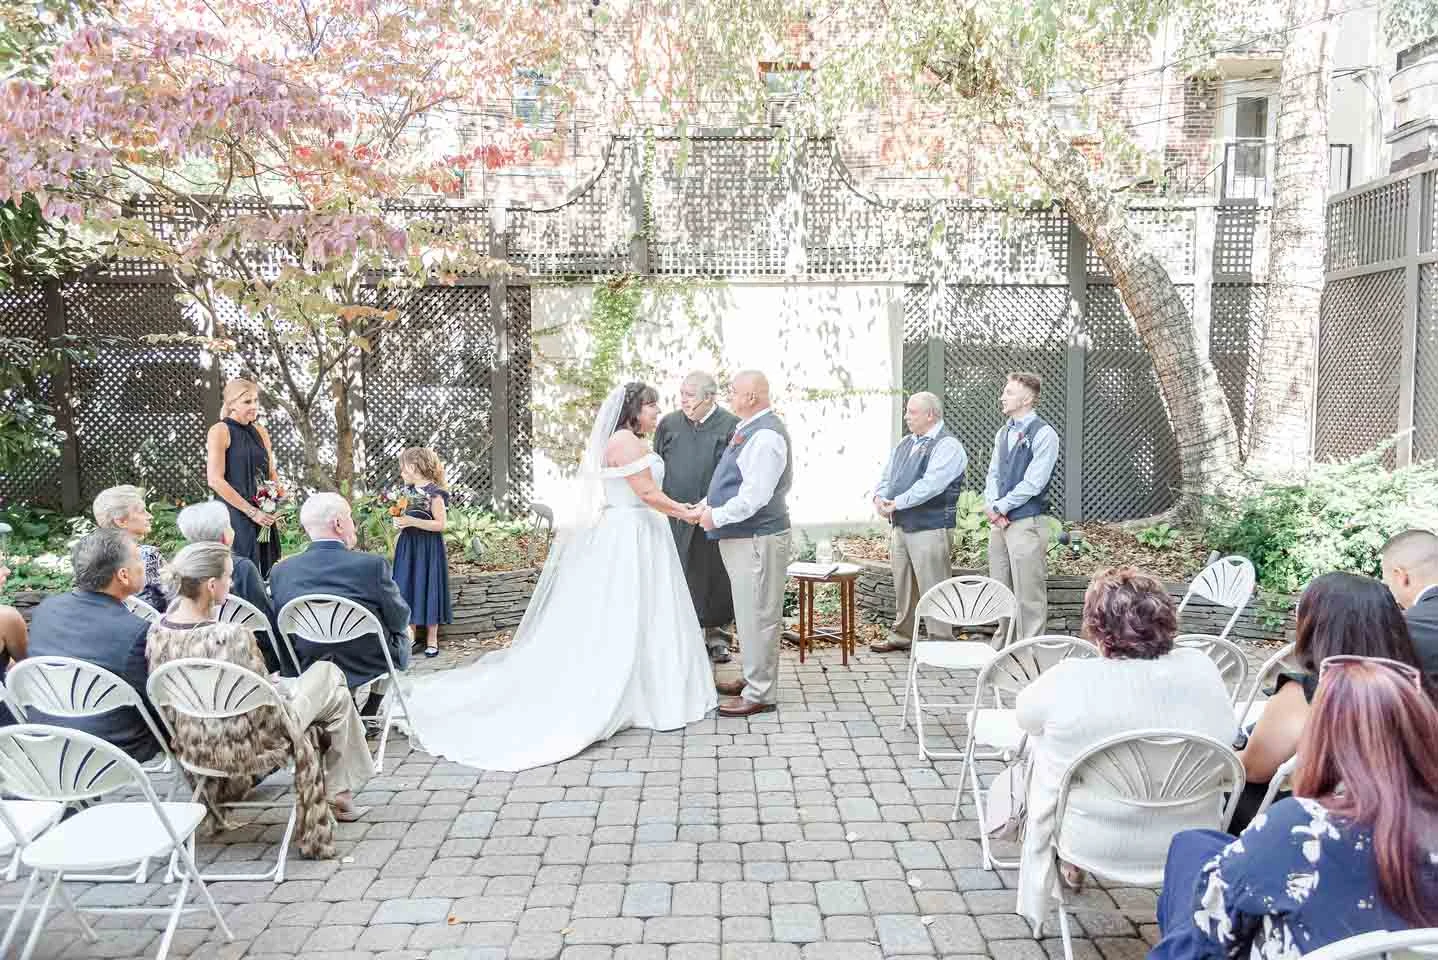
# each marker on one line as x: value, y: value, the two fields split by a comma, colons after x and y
x: 1006, y: 806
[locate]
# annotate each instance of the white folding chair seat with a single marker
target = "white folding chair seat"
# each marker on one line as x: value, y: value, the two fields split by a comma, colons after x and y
x: 1148, y: 770
x: 40, y: 762
x: 212, y: 690
x: 997, y: 727
x: 966, y: 601
x: 1421, y: 944
x: 141, y: 609
x: 1228, y: 656
x: 325, y: 618
x: 21, y: 821
x: 1227, y: 582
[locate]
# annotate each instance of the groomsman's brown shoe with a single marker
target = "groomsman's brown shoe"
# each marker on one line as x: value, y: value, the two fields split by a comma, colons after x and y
x: 887, y: 646
x: 730, y: 688
x: 739, y: 707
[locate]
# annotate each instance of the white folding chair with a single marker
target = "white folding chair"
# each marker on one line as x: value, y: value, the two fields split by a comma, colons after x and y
x: 1228, y: 656
x: 965, y: 601
x: 1250, y: 708
x: 214, y: 690
x: 141, y: 609
x: 240, y: 611
x: 1419, y: 944
x: 1148, y: 770
x: 1227, y: 582
x: 1279, y: 781
x: 21, y: 821
x: 324, y: 618
x: 39, y: 762
x: 997, y: 727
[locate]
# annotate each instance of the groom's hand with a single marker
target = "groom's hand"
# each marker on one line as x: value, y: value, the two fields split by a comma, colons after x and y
x: 706, y: 519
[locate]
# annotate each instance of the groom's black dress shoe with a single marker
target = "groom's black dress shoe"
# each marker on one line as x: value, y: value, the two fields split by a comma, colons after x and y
x: 739, y: 707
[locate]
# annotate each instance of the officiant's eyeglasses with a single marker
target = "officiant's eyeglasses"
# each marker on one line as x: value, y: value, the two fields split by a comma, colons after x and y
x: 1405, y: 670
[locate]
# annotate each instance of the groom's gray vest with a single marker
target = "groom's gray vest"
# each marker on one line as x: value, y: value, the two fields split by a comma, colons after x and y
x: 773, y: 517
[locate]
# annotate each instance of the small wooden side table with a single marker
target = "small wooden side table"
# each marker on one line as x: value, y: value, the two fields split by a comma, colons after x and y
x: 846, y: 575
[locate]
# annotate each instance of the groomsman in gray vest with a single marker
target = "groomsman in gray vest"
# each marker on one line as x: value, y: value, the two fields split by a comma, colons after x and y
x: 746, y: 512
x: 919, y: 494
x: 1016, y: 497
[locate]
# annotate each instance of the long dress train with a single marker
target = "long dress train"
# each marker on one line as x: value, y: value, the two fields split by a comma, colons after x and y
x: 609, y: 641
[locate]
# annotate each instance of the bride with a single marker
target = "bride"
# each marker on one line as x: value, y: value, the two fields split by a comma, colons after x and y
x: 609, y: 640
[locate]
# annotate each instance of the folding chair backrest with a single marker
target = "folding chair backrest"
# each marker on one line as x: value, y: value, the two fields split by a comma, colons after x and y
x: 67, y: 687
x: 325, y: 618
x: 1227, y: 582
x: 240, y: 611
x: 141, y: 609
x: 1266, y: 672
x: 41, y: 762
x: 210, y: 689
x: 1157, y: 769
x: 1386, y: 944
x: 967, y: 601
x: 1020, y: 664
x: 1228, y: 656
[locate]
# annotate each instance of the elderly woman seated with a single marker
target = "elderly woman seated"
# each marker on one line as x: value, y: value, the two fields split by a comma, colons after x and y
x: 209, y: 522
x: 1140, y: 682
x: 123, y: 508
x: 327, y: 727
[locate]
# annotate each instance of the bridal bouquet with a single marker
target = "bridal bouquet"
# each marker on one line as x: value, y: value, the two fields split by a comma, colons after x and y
x: 270, y: 496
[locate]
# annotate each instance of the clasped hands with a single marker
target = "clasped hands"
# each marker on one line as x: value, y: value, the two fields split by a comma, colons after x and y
x: 699, y: 513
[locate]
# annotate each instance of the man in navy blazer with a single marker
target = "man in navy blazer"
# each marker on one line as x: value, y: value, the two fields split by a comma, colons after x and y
x: 1410, y: 568
x: 91, y: 623
x: 328, y: 565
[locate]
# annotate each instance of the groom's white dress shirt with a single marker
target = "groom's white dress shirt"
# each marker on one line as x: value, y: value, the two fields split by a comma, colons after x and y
x: 761, y: 462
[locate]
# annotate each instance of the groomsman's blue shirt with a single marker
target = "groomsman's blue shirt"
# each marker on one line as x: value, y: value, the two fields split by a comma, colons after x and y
x: 949, y: 459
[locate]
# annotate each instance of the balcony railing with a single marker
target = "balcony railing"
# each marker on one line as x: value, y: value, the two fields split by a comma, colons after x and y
x: 1247, y: 169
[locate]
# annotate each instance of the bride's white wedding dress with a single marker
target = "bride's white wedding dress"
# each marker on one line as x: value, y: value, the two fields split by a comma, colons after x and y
x: 609, y: 640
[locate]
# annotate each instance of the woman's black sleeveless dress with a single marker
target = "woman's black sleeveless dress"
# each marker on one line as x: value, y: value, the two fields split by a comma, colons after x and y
x: 246, y: 464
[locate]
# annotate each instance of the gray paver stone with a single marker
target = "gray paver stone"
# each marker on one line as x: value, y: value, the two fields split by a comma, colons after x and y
x: 598, y: 900
x: 796, y: 923
x: 761, y: 951
x: 543, y: 920
x: 743, y: 898
x: 841, y: 951
x: 390, y: 936
x: 536, y: 946
x: 696, y: 899
x: 646, y: 900
x: 849, y: 928
x: 902, y: 934
x: 957, y: 933
x: 841, y: 897
x: 426, y: 910
x: 614, y: 930
x: 681, y: 930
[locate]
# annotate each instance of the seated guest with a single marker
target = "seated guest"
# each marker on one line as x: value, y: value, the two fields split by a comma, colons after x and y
x: 328, y: 565
x: 1339, y: 613
x: 1140, y: 682
x: 255, y: 744
x: 209, y: 522
x: 1410, y: 569
x: 13, y: 636
x: 123, y: 508
x: 91, y: 623
x: 1354, y: 851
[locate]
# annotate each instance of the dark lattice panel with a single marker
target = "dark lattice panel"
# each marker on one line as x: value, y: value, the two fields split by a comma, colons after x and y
x: 1235, y: 227
x: 1130, y: 460
x: 1425, y: 391
x: 521, y: 392
x: 1358, y: 350
x: 1168, y: 233
x: 983, y: 244
x: 587, y: 234
x: 989, y: 332
x: 427, y: 384
x: 722, y: 208
x: 1235, y: 340
x: 22, y: 316
x: 139, y: 408
x: 918, y: 328
x: 1369, y: 227
x: 1430, y: 190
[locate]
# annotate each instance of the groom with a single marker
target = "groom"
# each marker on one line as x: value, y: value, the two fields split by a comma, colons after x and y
x: 745, y: 511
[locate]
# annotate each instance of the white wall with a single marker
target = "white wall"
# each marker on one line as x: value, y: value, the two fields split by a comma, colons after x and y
x: 831, y: 351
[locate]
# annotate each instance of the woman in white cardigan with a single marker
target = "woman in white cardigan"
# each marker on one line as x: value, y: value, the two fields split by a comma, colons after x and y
x: 1141, y: 682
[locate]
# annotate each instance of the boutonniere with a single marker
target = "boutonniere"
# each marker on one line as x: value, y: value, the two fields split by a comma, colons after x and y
x: 1022, y: 440
x: 737, y: 439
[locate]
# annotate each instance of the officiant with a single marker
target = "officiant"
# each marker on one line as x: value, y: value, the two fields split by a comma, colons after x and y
x: 690, y: 441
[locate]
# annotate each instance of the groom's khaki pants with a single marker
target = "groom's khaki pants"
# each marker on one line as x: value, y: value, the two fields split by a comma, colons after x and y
x: 757, y: 570
x: 1018, y: 558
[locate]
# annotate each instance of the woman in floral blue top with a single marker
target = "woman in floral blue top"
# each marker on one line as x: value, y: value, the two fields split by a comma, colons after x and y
x: 1355, y: 850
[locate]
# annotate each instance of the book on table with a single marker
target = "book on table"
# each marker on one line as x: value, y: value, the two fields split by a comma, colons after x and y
x: 817, y: 571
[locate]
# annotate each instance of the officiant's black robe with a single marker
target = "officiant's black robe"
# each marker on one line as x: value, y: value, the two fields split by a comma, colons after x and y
x: 691, y: 452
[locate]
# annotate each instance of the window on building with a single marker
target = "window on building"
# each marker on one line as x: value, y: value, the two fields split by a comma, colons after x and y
x: 531, y: 103
x: 1250, y: 128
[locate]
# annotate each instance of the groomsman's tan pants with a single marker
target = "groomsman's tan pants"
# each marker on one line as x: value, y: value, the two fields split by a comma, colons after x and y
x: 757, y: 571
x: 920, y: 560
x: 1018, y: 558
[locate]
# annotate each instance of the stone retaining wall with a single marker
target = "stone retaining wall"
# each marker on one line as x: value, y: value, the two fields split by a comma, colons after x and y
x: 484, y: 603
x: 874, y: 597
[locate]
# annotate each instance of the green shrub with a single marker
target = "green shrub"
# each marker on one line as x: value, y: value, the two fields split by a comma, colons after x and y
x: 1338, y: 519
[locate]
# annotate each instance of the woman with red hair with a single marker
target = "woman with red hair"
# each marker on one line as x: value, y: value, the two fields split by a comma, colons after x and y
x: 1354, y: 850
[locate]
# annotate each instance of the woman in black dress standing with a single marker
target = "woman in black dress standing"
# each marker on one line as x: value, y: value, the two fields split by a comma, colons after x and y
x: 237, y: 457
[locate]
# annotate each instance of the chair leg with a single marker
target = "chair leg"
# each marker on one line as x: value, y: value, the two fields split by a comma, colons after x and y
x: 20, y: 908
x: 74, y: 911
x: 13, y: 870
x: 1064, y: 929
x: 34, y: 939
x: 919, y: 719
x: 285, y: 842
x: 908, y: 682
x: 194, y: 871
x: 963, y: 771
x: 383, y: 736
x: 174, y: 920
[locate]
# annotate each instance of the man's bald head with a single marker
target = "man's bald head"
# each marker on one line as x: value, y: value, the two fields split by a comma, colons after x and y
x: 749, y: 393
x: 1410, y: 564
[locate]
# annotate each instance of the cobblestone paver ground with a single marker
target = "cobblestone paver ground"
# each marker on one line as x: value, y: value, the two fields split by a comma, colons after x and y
x: 812, y: 833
